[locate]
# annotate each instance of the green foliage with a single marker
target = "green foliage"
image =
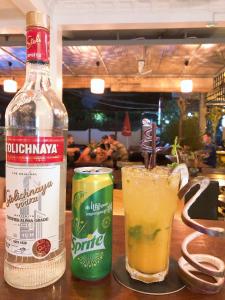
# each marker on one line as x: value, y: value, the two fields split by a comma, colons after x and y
x: 173, y: 165
x: 170, y: 120
x: 170, y: 131
x: 175, y: 147
x: 214, y: 115
x: 191, y: 134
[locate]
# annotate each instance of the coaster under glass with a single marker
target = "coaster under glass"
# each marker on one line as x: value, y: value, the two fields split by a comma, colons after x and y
x: 171, y: 284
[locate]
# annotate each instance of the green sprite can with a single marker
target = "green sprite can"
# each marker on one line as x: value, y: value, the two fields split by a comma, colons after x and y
x: 92, y: 222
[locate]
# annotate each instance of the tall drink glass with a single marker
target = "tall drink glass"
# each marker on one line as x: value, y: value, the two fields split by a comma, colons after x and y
x: 150, y: 201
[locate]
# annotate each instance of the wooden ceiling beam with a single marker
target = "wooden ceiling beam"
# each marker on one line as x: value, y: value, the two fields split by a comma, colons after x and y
x: 134, y: 84
x: 145, y: 41
x: 200, y: 85
x: 19, y: 40
x: 141, y: 84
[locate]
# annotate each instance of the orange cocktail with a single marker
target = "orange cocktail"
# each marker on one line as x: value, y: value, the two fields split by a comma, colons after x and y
x: 150, y: 201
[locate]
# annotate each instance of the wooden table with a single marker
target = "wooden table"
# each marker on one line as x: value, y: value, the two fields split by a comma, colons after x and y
x: 69, y: 288
x: 221, y: 157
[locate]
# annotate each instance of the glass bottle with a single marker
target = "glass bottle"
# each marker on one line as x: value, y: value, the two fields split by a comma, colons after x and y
x: 36, y: 126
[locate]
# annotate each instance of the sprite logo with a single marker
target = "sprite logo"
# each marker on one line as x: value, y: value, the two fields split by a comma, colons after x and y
x: 92, y: 242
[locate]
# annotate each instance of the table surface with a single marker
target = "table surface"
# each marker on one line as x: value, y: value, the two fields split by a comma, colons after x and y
x: 70, y: 288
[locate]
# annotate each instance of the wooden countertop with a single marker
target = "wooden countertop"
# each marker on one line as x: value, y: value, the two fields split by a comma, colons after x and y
x: 69, y: 288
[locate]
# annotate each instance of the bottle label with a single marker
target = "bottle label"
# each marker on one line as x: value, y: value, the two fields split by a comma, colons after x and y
x: 32, y: 149
x: 32, y: 214
x: 37, y: 43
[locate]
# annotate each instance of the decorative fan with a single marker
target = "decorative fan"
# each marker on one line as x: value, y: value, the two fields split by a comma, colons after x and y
x: 142, y: 63
x: 141, y: 68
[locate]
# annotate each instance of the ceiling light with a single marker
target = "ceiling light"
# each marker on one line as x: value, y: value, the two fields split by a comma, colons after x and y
x: 186, y: 86
x: 223, y: 121
x: 10, y: 86
x: 97, y: 84
x: 210, y: 24
x: 207, y: 46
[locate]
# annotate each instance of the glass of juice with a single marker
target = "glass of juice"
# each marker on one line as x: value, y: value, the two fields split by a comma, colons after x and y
x: 150, y: 201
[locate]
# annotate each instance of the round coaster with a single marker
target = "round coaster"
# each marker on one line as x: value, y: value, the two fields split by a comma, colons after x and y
x: 171, y: 284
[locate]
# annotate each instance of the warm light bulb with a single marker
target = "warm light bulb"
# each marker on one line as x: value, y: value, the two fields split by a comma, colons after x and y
x: 223, y: 121
x: 9, y: 86
x: 186, y: 86
x: 97, y: 85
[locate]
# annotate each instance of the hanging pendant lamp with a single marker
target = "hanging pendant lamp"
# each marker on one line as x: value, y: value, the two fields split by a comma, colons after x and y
x: 10, y: 85
x: 97, y: 84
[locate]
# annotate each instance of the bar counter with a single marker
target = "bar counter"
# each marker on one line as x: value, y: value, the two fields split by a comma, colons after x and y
x: 68, y: 287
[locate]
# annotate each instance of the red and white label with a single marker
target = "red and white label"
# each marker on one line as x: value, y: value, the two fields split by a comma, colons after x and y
x: 31, y: 149
x: 37, y: 44
x: 32, y: 209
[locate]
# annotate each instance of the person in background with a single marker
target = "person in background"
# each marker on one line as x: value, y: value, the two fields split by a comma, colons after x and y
x: 104, y: 143
x: 73, y: 152
x: 93, y: 153
x: 117, y: 151
x: 209, y: 151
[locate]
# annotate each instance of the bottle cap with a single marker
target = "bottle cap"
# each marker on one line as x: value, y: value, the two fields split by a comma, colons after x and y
x: 37, y: 18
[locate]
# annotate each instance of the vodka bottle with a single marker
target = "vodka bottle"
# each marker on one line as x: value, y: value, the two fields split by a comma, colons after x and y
x: 36, y: 124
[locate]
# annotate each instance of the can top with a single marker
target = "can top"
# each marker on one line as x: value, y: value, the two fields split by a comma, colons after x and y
x: 93, y: 170
x: 37, y: 18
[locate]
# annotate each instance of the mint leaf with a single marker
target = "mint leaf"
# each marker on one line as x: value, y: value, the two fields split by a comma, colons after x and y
x: 153, y: 234
x: 175, y: 147
x: 173, y: 165
x: 135, y: 232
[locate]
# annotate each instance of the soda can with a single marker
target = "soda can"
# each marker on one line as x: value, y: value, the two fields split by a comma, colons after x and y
x: 92, y: 222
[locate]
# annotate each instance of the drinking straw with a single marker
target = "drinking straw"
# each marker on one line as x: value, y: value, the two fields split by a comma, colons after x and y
x: 148, y: 143
x: 152, y: 161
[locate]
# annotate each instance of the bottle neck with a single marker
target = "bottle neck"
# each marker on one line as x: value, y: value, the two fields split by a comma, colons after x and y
x: 37, y: 76
x: 37, y: 67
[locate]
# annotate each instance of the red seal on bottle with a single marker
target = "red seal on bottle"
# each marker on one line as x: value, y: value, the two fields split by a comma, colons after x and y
x: 41, y: 248
x: 37, y: 44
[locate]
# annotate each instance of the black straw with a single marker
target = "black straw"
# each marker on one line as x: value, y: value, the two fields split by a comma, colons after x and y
x: 148, y: 143
x: 152, y: 161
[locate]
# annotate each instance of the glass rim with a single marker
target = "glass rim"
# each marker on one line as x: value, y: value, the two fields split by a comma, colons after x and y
x: 149, y: 172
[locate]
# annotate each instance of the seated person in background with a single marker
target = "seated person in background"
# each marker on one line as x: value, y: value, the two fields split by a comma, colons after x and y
x: 117, y: 150
x: 185, y: 154
x: 209, y: 151
x: 104, y: 143
x: 73, y: 152
x: 93, y: 154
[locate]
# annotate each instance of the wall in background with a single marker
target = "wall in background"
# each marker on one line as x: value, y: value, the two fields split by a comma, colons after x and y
x: 82, y: 137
